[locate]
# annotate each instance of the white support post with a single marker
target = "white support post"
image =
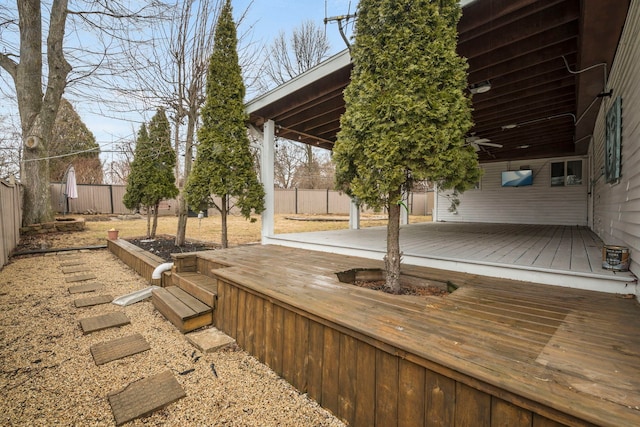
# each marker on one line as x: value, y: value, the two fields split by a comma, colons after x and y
x: 434, y: 209
x: 354, y: 215
x: 267, y: 171
x: 404, y: 209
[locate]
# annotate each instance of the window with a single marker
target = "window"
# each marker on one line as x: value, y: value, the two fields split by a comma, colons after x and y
x: 566, y: 173
x: 557, y: 174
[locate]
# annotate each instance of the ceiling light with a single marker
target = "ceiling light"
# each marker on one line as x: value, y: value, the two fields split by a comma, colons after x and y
x: 481, y: 87
x: 522, y: 147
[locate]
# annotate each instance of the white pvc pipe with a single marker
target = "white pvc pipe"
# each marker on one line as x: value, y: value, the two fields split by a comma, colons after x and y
x: 134, y: 297
x: 157, y: 273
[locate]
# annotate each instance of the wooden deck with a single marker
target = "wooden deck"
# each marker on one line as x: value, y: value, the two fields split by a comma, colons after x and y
x: 550, y: 254
x: 495, y: 352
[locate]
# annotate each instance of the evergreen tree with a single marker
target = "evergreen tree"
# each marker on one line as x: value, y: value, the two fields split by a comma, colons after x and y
x: 407, y: 111
x: 71, y: 135
x: 134, y: 193
x: 224, y: 165
x: 152, y: 179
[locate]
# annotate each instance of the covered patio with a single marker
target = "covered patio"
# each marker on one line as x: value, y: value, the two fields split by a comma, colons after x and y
x: 542, y: 67
x: 551, y: 254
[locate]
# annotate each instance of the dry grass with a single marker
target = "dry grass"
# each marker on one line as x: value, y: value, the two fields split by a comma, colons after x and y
x: 240, y: 231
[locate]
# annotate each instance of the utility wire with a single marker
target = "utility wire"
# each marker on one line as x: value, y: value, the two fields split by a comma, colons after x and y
x: 63, y: 155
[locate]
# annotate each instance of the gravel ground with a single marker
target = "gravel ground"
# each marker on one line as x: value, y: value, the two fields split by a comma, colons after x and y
x: 48, y: 376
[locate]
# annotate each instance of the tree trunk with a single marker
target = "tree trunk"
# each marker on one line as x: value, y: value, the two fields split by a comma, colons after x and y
x: 183, y: 214
x: 393, y: 256
x: 37, y: 196
x: 183, y: 206
x: 155, y: 220
x: 37, y: 110
x: 148, y: 221
x: 223, y: 213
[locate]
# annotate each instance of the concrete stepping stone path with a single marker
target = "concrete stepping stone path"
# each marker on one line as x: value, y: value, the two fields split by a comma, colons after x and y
x: 75, y: 269
x: 91, y: 301
x: 145, y: 396
x: 98, y: 323
x: 119, y: 348
x: 90, y: 287
x: 81, y: 278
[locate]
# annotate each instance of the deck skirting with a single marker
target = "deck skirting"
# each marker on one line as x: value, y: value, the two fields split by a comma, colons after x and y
x: 362, y: 380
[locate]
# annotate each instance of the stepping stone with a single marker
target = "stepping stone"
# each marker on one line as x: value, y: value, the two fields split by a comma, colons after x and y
x: 71, y: 263
x: 75, y: 269
x: 98, y: 323
x: 90, y: 287
x: 119, y: 348
x: 209, y: 340
x: 143, y: 397
x: 80, y: 278
x: 91, y: 301
x: 68, y: 255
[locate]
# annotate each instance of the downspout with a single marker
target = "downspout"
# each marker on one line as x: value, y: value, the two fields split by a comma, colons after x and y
x: 157, y: 273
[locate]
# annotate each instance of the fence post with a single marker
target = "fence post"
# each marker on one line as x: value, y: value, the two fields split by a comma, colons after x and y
x: 327, y: 201
x: 296, y: 200
x: 411, y: 208
x: 111, y: 198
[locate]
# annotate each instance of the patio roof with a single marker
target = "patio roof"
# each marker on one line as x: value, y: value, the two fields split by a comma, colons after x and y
x: 516, y: 45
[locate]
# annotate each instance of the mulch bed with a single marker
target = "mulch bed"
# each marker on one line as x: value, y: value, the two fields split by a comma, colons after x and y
x: 379, y: 285
x: 164, y: 246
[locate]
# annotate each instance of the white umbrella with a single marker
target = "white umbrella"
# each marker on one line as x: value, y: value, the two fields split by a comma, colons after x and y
x: 71, y: 189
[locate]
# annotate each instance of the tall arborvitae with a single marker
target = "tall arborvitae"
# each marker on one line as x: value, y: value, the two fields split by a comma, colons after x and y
x: 151, y: 179
x: 134, y: 193
x: 161, y: 184
x: 224, y: 165
x: 407, y: 111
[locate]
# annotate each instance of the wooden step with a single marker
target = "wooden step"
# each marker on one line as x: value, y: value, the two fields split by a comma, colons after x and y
x: 185, y: 262
x: 183, y: 310
x: 200, y: 286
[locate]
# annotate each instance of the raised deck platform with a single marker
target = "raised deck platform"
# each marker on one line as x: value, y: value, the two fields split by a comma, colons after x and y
x: 495, y: 351
x: 568, y: 256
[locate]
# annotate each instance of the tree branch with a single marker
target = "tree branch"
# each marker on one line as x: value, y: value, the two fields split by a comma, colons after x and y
x: 9, y: 65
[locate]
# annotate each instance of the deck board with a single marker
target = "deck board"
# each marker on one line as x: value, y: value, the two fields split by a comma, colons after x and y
x: 575, y: 351
x: 515, y: 251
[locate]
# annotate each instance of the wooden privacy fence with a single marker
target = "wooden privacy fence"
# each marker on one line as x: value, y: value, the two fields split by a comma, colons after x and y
x: 10, y: 218
x: 107, y: 199
x: 303, y: 201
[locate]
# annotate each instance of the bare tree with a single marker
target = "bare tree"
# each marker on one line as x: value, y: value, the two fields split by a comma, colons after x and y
x: 10, y: 150
x: 291, y: 56
x: 119, y: 169
x: 190, y: 48
x: 172, y: 73
x: 38, y: 103
x: 288, y: 158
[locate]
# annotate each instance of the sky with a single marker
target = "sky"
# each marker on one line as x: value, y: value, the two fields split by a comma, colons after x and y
x: 272, y: 16
x: 267, y: 18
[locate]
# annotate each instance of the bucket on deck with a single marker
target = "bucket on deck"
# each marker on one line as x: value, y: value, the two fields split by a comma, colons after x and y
x: 615, y: 258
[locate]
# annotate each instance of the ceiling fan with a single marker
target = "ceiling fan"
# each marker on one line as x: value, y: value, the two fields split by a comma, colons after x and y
x: 476, y: 142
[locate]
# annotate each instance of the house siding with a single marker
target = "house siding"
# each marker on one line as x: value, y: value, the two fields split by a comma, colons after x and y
x: 616, y: 206
x: 539, y: 203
